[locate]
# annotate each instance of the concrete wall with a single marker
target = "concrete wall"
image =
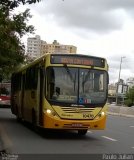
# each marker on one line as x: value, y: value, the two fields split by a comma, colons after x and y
x: 121, y: 110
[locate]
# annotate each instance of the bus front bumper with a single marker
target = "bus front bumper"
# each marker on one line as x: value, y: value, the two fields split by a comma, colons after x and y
x: 51, y: 122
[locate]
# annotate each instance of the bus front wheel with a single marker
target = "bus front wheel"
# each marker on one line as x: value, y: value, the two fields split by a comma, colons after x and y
x: 82, y: 132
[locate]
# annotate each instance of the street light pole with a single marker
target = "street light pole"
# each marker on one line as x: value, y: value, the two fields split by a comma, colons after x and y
x: 118, y: 80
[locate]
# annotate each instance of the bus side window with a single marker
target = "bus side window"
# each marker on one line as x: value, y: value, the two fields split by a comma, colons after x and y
x: 31, y: 78
x: 16, y: 82
x: 34, y: 77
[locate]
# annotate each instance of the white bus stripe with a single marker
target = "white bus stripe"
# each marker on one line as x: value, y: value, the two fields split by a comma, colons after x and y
x: 111, y: 139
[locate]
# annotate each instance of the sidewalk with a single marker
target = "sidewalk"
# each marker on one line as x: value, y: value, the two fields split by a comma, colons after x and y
x: 117, y: 114
x: 121, y: 111
x: 5, y: 143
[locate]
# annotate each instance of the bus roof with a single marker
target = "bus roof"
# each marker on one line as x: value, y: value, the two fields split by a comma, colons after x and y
x: 22, y: 68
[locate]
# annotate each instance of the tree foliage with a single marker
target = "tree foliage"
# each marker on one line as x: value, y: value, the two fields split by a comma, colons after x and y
x: 130, y: 97
x: 11, y: 4
x: 12, y: 28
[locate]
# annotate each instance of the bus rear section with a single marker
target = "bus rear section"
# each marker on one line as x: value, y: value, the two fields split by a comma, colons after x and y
x: 5, y: 89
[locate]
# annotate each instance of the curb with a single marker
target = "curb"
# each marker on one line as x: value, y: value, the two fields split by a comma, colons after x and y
x: 118, y: 114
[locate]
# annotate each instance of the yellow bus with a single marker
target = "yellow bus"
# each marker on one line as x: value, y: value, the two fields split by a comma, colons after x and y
x: 62, y: 91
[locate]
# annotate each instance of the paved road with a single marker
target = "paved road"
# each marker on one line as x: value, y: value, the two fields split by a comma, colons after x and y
x: 118, y: 137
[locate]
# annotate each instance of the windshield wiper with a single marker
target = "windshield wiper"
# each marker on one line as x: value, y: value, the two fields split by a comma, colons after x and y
x: 70, y: 75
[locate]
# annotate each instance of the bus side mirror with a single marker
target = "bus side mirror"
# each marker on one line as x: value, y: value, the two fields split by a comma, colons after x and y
x: 57, y: 90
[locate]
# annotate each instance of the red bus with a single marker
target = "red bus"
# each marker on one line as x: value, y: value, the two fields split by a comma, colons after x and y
x: 5, y: 90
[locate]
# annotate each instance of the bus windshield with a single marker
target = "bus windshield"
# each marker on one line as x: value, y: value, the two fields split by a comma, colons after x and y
x: 79, y: 86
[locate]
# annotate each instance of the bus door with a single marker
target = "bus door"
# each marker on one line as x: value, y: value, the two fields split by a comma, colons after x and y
x: 41, y: 95
x: 22, y: 95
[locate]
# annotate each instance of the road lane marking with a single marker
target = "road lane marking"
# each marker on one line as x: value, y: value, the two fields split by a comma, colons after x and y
x: 111, y: 139
x: 89, y: 131
x: 133, y: 147
x: 131, y: 126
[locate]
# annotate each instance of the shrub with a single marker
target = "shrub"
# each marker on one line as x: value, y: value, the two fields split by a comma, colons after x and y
x: 128, y: 102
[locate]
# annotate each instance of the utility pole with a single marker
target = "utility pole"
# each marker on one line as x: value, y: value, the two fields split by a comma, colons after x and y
x: 118, y: 80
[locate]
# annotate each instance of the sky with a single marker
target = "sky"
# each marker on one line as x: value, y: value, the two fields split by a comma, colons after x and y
x: 103, y: 28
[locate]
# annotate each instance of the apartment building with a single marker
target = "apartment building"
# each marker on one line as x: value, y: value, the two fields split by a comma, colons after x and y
x: 56, y: 47
x: 37, y: 47
x: 34, y: 47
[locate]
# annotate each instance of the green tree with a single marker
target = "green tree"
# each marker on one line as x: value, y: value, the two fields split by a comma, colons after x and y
x: 12, y: 28
x: 11, y: 4
x: 130, y: 97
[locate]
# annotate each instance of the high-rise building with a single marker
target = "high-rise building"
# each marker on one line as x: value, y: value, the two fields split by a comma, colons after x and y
x: 37, y: 47
x: 34, y: 47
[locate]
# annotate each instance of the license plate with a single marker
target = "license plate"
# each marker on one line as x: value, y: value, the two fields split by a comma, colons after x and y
x: 77, y: 125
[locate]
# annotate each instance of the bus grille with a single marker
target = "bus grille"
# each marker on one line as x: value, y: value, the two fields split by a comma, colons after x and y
x: 76, y: 110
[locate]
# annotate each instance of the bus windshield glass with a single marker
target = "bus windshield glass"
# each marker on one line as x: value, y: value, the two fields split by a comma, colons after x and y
x: 76, y: 85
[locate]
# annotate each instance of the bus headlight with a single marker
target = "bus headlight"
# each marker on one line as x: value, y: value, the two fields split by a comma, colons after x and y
x: 48, y: 111
x: 100, y: 115
x: 51, y: 112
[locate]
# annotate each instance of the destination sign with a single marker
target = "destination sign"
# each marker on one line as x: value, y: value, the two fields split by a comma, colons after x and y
x: 78, y: 60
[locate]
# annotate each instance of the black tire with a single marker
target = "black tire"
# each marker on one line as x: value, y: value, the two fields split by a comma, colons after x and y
x: 82, y: 132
